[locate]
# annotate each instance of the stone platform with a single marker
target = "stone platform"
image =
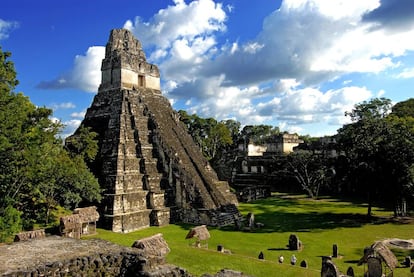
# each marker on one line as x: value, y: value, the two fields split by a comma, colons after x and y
x: 57, y: 256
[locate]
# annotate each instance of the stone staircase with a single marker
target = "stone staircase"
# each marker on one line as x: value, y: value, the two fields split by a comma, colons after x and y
x: 151, y: 177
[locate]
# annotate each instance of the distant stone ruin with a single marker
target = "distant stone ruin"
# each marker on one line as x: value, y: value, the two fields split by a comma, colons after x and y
x: 379, y: 259
x: 149, y: 167
x: 82, y: 222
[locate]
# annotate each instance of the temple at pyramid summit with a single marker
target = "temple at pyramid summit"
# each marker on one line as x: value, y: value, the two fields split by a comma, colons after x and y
x: 151, y: 171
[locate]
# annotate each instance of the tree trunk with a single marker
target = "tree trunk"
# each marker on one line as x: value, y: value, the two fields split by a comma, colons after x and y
x: 369, y: 212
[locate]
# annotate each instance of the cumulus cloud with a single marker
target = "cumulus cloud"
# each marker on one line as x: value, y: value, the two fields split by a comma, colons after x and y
x: 80, y: 115
x: 6, y: 27
x: 85, y: 74
x: 180, y: 21
x: 314, y: 41
x: 299, y: 106
x: 305, y: 41
x: 181, y: 37
x: 405, y: 74
x: 276, y: 77
x: 70, y: 127
x: 72, y: 124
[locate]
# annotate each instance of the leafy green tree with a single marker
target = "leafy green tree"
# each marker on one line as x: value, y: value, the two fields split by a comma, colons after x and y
x: 8, y: 79
x: 211, y: 136
x: 258, y: 134
x: 309, y: 170
x: 10, y: 222
x: 84, y: 143
x: 197, y: 127
x: 234, y: 129
x: 397, y: 154
x: 377, y: 108
x: 379, y: 147
x: 36, y: 172
x: 218, y: 138
x: 404, y: 108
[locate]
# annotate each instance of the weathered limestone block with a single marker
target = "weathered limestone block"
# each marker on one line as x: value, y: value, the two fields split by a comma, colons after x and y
x: 36, y: 234
x: 329, y: 269
x: 294, y: 242
x: 153, y: 246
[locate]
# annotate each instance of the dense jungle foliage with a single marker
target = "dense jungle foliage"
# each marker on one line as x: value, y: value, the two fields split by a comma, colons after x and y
x: 38, y: 176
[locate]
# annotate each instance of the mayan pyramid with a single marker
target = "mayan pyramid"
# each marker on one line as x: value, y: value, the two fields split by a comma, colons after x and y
x: 151, y: 171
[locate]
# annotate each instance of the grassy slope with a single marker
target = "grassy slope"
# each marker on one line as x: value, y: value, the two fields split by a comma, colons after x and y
x: 319, y: 224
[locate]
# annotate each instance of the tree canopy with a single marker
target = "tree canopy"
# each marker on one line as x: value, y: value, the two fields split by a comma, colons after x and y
x: 37, y: 174
x: 211, y: 136
x: 380, y: 149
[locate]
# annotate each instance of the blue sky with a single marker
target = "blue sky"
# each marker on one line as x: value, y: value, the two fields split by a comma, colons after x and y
x: 296, y: 64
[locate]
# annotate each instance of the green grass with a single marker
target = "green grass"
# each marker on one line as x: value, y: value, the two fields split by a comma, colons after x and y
x: 318, y: 223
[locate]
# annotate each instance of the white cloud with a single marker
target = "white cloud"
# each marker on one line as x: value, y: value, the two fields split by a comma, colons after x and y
x: 300, y: 106
x: 275, y: 78
x: 181, y: 37
x: 80, y: 115
x: 302, y: 44
x: 188, y: 21
x: 373, y: 52
x: 6, y: 27
x: 62, y: 106
x: 70, y: 127
x: 313, y: 41
x: 252, y: 48
x: 405, y: 74
x: 85, y: 74
x: 72, y: 124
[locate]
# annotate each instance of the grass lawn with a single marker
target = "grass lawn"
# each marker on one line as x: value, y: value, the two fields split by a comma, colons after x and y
x: 318, y: 223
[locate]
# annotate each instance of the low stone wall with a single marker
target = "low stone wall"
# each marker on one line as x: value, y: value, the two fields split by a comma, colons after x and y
x: 57, y: 256
x: 36, y: 234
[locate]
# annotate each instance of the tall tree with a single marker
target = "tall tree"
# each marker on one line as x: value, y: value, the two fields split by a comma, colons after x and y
x: 84, y: 144
x: 234, y: 129
x: 258, y: 134
x: 211, y: 136
x: 379, y: 147
x: 218, y: 138
x: 8, y: 79
x: 309, y: 170
x: 36, y: 173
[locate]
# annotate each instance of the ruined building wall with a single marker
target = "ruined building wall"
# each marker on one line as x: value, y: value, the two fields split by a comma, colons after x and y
x: 151, y: 170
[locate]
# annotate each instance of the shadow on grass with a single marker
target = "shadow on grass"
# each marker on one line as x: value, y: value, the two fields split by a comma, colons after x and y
x: 303, y: 222
x: 280, y: 249
x: 296, y: 214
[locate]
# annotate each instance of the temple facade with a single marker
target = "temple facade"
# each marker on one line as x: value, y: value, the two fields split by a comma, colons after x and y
x: 151, y: 171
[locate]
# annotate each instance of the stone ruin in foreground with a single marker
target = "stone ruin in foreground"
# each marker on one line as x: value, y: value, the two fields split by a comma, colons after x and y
x: 57, y: 256
x: 149, y: 167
